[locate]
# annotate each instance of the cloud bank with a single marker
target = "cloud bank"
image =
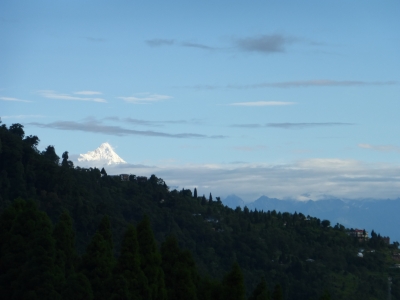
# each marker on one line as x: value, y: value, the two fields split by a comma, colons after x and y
x: 94, y: 126
x: 316, y: 178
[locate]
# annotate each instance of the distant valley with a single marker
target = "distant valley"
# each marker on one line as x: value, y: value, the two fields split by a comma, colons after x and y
x: 364, y: 214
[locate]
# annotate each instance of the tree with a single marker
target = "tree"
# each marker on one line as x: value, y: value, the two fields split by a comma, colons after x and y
x: 233, y: 284
x: 32, y: 141
x: 17, y: 129
x: 180, y: 271
x: 50, y: 154
x: 150, y: 260
x: 261, y: 291
x: 210, y: 198
x: 128, y: 266
x: 195, y: 193
x: 326, y: 223
x: 98, y: 261
x: 104, y: 173
x: 277, y: 294
x: 27, y: 254
x: 64, y: 236
x: 65, y: 162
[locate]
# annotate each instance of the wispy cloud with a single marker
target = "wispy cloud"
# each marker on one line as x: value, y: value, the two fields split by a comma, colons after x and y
x: 381, y: 148
x: 266, y: 44
x: 141, y: 122
x: 262, y: 103
x: 160, y: 42
x: 57, y: 96
x: 87, y: 93
x: 292, y: 125
x: 296, y: 84
x: 13, y: 99
x: 196, y: 45
x: 149, y: 98
x: 95, y: 126
x: 22, y: 117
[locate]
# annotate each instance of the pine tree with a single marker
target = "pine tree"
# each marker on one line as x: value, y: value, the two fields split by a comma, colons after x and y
x: 77, y: 288
x: 195, y: 193
x: 27, y: 254
x: 64, y: 236
x: 98, y: 261
x: 261, y: 291
x: 180, y: 271
x: 128, y: 266
x: 233, y: 284
x: 150, y: 260
x: 277, y: 294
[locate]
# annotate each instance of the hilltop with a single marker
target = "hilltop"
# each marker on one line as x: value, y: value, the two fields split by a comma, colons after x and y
x: 305, y: 255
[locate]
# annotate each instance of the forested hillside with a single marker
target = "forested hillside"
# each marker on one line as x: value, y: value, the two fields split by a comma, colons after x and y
x: 81, y: 224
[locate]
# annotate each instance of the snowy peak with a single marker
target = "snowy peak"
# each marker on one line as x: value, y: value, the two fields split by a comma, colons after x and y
x: 104, y: 154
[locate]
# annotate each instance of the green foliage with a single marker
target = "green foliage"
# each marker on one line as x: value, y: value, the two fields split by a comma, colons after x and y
x: 303, y: 254
x: 150, y: 260
x: 181, y: 277
x: 277, y: 294
x: 233, y: 285
x: 128, y: 266
x: 261, y: 291
x: 27, y: 254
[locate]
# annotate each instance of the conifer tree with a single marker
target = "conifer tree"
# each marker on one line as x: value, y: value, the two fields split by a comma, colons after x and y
x: 77, y: 288
x: 233, y: 284
x: 27, y: 254
x: 195, y: 193
x: 261, y: 291
x: 98, y: 261
x: 128, y: 266
x: 180, y: 271
x: 277, y: 294
x: 64, y: 236
x: 150, y: 260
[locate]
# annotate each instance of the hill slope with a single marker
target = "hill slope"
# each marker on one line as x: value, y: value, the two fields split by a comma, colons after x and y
x: 304, y: 254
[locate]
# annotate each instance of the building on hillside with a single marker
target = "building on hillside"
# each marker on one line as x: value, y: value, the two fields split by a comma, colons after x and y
x: 360, y: 234
x: 141, y: 179
x: 124, y: 177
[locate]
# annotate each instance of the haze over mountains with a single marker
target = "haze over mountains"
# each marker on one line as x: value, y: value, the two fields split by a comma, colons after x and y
x: 362, y: 213
x: 382, y: 216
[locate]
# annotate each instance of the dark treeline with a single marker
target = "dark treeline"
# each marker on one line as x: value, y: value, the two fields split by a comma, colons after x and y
x: 188, y: 247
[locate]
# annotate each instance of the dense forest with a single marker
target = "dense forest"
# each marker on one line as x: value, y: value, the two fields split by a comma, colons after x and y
x: 69, y: 232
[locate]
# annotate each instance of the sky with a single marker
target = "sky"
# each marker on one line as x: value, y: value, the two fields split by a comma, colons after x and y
x: 294, y: 100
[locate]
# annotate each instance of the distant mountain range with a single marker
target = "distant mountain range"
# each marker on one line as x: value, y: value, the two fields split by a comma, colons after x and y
x: 380, y: 215
x: 104, y: 155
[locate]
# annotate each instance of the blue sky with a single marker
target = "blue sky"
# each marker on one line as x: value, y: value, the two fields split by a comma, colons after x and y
x: 291, y: 100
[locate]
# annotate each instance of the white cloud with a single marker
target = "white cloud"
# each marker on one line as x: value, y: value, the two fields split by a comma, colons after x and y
x: 13, y: 99
x: 88, y: 93
x: 318, y: 178
x: 382, y: 148
x: 262, y: 103
x: 54, y: 95
x: 148, y: 98
x: 22, y: 117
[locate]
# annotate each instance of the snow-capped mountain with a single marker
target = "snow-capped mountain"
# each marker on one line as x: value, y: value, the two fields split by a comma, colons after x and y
x: 104, y: 155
